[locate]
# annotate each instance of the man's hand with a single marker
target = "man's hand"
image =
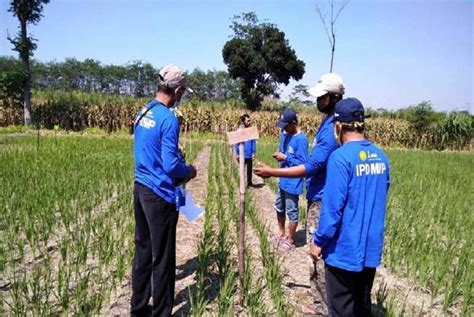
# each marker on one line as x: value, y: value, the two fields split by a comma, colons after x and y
x: 279, y: 156
x: 253, y: 157
x: 192, y: 173
x: 263, y: 171
x: 237, y: 158
x: 315, y: 252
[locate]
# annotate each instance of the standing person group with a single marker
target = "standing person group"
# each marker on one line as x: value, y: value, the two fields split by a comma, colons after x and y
x: 347, y: 184
x: 346, y: 204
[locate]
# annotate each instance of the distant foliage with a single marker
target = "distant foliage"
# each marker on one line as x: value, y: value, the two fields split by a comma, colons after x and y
x: 455, y: 131
x: 260, y: 56
x: 213, y: 85
x: 12, y: 77
x: 137, y: 79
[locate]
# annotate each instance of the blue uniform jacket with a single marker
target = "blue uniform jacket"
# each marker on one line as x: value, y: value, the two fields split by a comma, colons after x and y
x: 157, y: 160
x: 351, y: 223
x: 324, y: 144
x: 250, y: 148
x: 295, y: 147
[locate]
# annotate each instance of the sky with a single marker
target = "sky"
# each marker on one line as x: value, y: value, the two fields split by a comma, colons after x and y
x: 390, y: 53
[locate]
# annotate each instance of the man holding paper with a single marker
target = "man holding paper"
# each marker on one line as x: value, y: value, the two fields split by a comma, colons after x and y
x: 158, y: 169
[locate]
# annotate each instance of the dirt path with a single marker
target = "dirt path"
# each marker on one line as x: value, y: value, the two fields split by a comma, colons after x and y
x: 187, y: 237
x: 295, y: 262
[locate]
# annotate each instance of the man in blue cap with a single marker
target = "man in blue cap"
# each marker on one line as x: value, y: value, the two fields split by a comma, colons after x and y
x: 328, y: 91
x: 350, y: 233
x: 158, y: 170
x: 292, y: 151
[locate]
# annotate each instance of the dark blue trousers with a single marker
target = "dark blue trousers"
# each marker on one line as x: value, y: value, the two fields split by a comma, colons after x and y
x: 154, y: 264
x: 348, y: 292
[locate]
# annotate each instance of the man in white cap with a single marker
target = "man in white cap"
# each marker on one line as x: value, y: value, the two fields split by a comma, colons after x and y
x: 350, y: 234
x: 158, y: 170
x: 328, y: 91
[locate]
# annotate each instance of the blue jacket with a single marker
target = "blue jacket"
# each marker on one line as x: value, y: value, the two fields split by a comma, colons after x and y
x: 296, y: 151
x: 157, y: 160
x: 323, y: 145
x: 351, y: 223
x: 250, y: 148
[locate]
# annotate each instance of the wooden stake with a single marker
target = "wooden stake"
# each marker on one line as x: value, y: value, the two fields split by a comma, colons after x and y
x: 239, y: 137
x: 242, y: 219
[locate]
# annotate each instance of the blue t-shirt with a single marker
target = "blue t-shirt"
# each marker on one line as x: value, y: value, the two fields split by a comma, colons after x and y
x: 157, y: 160
x: 250, y: 147
x: 295, y: 147
x: 324, y: 144
x: 351, y: 223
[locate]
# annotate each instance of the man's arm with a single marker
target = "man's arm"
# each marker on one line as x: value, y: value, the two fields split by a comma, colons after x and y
x: 320, y: 154
x: 289, y: 172
x: 236, y: 149
x: 172, y: 163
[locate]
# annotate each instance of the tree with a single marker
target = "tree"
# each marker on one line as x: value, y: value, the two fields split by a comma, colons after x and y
x: 261, y: 57
x: 299, y: 94
x: 27, y: 12
x: 212, y: 85
x: 329, y: 26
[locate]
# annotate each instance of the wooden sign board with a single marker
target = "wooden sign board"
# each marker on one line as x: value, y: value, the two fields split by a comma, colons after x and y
x: 242, y: 135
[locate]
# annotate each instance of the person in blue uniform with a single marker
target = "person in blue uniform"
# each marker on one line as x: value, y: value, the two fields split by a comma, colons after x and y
x: 328, y: 91
x: 250, y: 148
x: 292, y: 151
x: 350, y: 234
x: 158, y: 170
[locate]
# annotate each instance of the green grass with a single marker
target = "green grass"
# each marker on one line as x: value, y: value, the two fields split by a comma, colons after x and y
x: 429, y: 225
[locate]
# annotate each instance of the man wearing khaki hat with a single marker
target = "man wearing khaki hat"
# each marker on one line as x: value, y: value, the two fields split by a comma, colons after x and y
x: 328, y: 91
x: 158, y: 170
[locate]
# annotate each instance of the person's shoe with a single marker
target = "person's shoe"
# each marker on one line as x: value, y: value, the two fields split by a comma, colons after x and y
x: 284, y: 247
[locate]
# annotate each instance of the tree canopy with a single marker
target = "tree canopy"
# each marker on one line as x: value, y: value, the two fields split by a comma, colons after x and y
x: 261, y: 57
x: 136, y: 78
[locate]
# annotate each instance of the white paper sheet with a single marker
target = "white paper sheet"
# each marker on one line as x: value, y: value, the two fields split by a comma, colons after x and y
x: 190, y: 210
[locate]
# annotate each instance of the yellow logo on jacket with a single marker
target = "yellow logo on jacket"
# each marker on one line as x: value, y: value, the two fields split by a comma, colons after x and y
x: 363, y: 155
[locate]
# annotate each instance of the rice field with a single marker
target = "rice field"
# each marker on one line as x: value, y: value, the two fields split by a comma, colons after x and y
x: 66, y: 231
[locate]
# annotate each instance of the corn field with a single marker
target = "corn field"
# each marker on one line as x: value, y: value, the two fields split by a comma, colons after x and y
x: 78, y: 111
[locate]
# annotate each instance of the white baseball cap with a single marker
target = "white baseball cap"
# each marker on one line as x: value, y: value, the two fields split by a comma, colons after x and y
x: 328, y: 83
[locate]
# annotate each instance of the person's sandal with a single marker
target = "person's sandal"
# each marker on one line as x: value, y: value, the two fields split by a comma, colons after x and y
x: 284, y: 247
x: 275, y: 239
x: 308, y: 310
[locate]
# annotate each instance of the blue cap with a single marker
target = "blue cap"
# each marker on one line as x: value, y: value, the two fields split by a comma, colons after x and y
x: 349, y: 110
x: 287, y: 116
